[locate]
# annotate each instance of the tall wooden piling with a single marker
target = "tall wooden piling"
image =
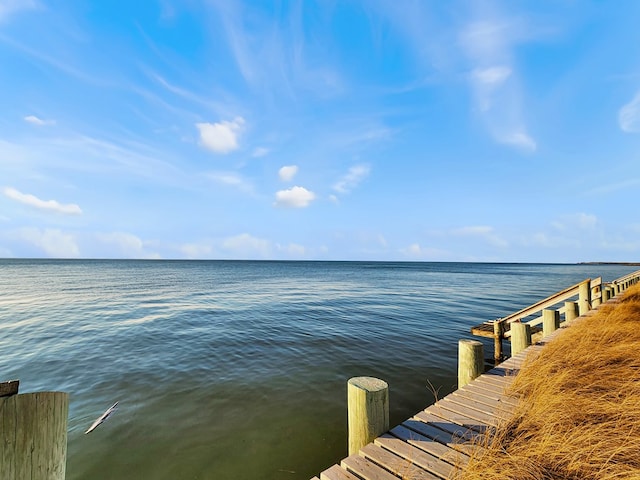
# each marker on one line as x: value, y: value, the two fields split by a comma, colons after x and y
x: 550, y: 321
x: 584, y: 297
x: 33, y: 438
x: 570, y: 311
x: 368, y: 410
x: 498, y: 334
x: 470, y: 361
x: 520, y: 337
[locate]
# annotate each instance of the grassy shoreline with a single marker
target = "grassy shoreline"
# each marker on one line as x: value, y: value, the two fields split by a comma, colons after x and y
x: 579, y: 411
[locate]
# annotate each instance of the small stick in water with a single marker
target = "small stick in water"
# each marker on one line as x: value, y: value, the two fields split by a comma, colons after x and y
x: 102, y: 418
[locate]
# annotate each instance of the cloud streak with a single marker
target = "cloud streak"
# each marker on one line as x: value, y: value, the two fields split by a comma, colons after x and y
x: 629, y: 115
x: 47, y: 205
x: 352, y: 178
x: 33, y: 120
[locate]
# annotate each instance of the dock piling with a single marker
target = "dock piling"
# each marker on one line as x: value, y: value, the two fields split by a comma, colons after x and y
x: 33, y: 440
x: 584, y: 300
x: 520, y: 337
x: 550, y: 321
x: 570, y: 311
x: 368, y: 410
x: 470, y: 361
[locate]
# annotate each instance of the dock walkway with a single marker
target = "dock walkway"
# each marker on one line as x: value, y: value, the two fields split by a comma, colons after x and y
x: 435, y: 443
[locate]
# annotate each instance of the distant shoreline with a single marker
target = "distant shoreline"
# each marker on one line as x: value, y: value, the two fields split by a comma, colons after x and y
x: 610, y: 263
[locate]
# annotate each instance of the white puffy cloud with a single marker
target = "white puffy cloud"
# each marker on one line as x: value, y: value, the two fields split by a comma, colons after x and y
x: 629, y: 115
x: 247, y: 246
x: 53, y: 242
x: 287, y: 172
x: 296, y: 197
x: 221, y: 137
x: 48, y: 205
x: 352, y: 178
x: 33, y: 120
x: 124, y: 244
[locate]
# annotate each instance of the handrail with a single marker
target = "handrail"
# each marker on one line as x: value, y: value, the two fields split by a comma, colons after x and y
x: 542, y: 304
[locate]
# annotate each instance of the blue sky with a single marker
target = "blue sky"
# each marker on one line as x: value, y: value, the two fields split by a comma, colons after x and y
x: 332, y: 130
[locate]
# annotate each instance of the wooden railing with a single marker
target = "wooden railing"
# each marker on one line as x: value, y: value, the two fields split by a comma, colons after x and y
x: 570, y: 302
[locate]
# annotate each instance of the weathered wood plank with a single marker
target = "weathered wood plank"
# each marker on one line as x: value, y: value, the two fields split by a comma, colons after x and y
x: 398, y: 466
x: 434, y: 465
x: 366, y: 469
x: 337, y: 473
x: 424, y: 436
x: 480, y: 390
x: 481, y: 418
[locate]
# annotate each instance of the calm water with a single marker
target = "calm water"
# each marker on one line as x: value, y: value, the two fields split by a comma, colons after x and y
x: 238, y: 370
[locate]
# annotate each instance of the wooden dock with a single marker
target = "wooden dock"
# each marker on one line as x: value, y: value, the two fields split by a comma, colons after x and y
x: 436, y: 442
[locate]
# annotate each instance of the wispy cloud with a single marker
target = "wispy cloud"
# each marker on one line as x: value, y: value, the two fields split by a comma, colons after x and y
x: 232, y: 179
x: 484, y: 232
x: 47, y: 205
x: 33, y: 120
x: 126, y: 245
x: 580, y: 221
x: 418, y: 252
x: 11, y: 7
x: 260, y: 152
x: 55, y: 243
x: 488, y: 42
x: 296, y: 197
x: 629, y: 115
x: 352, y: 178
x: 287, y: 172
x: 247, y: 246
x: 221, y: 137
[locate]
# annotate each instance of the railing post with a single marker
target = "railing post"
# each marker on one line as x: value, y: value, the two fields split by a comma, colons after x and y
x: 470, y: 361
x: 596, y: 299
x: 570, y: 311
x: 498, y: 333
x: 368, y: 410
x: 584, y: 300
x: 520, y: 337
x: 550, y: 321
x: 33, y: 439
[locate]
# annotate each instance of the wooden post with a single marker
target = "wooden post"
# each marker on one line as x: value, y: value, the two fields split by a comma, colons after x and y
x: 570, y: 311
x: 520, y: 337
x: 498, y: 333
x: 550, y: 321
x: 33, y: 438
x: 596, y: 296
x: 584, y: 300
x: 470, y: 361
x: 608, y: 294
x: 368, y: 411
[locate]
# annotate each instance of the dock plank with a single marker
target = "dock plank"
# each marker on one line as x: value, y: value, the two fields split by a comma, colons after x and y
x: 366, y: 469
x: 336, y: 472
x: 397, y: 465
x: 426, y: 461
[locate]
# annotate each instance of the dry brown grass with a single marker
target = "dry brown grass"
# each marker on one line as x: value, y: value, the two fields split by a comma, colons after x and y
x: 579, y: 414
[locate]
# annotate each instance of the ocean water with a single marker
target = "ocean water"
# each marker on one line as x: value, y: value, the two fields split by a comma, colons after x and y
x: 238, y: 370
